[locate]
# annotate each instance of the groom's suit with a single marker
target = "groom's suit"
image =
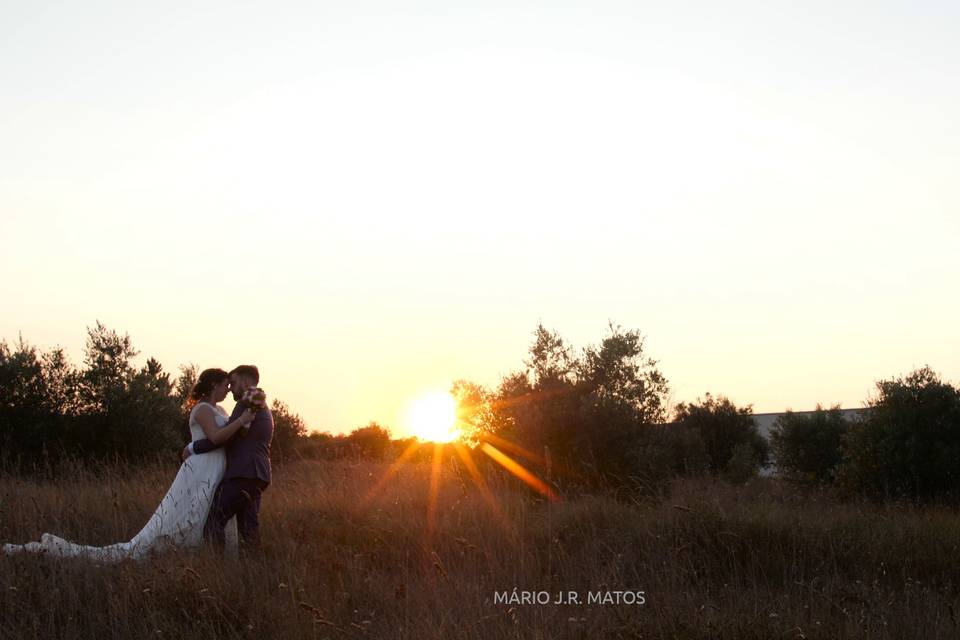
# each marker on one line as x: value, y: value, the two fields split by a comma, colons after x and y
x: 246, y: 476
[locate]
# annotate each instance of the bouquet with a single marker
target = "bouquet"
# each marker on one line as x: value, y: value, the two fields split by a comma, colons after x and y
x: 254, y: 399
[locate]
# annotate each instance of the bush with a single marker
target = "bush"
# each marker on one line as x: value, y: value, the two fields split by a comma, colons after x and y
x: 288, y: 431
x: 729, y: 434
x: 909, y: 444
x: 808, y: 447
x: 371, y: 441
x: 684, y: 450
x: 593, y: 410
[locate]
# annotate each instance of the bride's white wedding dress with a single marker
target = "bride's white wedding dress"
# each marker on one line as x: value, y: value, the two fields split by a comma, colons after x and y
x: 177, y: 522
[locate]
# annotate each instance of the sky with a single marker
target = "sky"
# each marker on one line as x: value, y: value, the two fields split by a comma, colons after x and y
x: 370, y: 200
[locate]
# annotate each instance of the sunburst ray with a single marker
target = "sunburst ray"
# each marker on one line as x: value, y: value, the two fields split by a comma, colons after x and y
x: 481, y: 484
x: 518, y: 470
x: 390, y: 472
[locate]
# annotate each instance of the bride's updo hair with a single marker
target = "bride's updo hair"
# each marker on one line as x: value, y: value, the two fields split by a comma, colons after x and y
x: 209, y: 378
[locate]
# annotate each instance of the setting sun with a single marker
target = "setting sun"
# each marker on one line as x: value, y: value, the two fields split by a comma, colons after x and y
x: 433, y: 417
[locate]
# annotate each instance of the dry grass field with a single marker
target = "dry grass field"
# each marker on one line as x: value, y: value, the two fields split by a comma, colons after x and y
x: 764, y: 560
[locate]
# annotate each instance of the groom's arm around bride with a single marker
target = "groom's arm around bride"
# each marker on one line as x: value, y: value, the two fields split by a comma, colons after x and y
x: 207, y: 445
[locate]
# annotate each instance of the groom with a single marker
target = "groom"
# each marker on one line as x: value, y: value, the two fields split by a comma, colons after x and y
x: 248, y: 467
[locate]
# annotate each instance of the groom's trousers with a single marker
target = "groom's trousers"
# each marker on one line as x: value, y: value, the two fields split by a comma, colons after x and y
x: 235, y: 497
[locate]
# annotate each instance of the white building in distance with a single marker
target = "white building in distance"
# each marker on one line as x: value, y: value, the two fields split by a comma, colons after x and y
x: 765, y: 421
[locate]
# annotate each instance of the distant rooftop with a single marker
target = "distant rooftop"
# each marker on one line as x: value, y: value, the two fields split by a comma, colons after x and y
x: 765, y: 421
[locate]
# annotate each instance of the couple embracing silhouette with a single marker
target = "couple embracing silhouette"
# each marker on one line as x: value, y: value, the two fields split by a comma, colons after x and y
x: 225, y: 470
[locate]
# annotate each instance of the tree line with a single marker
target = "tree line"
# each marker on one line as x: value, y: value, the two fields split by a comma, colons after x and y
x: 594, y: 418
x: 906, y: 445
x: 108, y: 408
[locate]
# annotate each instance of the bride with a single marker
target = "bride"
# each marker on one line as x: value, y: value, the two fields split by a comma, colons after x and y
x: 179, y: 520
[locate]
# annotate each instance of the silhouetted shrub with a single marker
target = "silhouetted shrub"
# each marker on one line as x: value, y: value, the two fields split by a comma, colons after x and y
x: 371, y: 441
x: 808, y: 447
x: 729, y: 435
x: 288, y: 431
x: 685, y: 450
x: 909, y: 443
x: 591, y: 411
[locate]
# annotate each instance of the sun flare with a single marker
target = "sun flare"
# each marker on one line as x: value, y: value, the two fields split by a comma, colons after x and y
x: 433, y: 417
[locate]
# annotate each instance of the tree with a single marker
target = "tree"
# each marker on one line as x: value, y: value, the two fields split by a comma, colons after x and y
x: 591, y: 412
x: 189, y: 373
x: 727, y: 431
x: 617, y: 373
x: 26, y: 424
x: 61, y: 382
x: 146, y: 419
x: 288, y: 430
x: 551, y: 359
x: 909, y: 443
x: 125, y: 411
x: 109, y: 369
x: 808, y: 447
x: 475, y: 410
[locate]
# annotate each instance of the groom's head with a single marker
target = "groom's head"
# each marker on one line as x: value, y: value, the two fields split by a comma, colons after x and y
x: 242, y: 378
